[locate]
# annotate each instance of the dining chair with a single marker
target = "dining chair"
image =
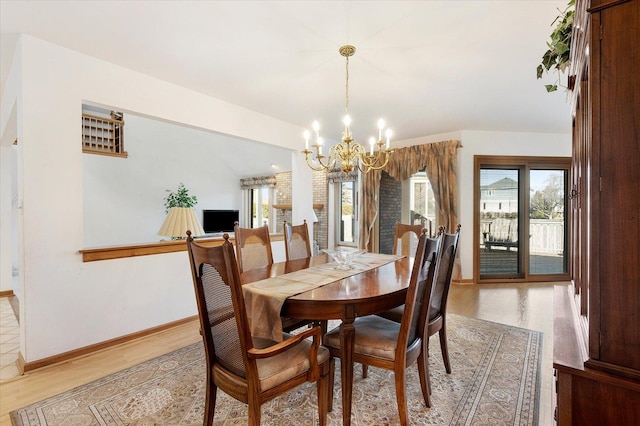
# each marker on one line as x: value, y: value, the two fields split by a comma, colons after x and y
x: 436, y: 314
x: 253, y: 246
x: 253, y: 249
x: 251, y: 370
x: 438, y: 306
x: 386, y: 344
x: 404, y: 238
x: 297, y: 244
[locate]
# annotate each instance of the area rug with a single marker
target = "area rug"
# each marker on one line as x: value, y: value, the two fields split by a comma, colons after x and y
x: 495, y: 380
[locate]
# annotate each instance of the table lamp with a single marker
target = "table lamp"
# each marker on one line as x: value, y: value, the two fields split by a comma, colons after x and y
x: 178, y: 221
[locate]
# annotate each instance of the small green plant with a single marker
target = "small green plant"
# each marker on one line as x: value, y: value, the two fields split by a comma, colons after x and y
x: 558, y: 55
x: 180, y: 198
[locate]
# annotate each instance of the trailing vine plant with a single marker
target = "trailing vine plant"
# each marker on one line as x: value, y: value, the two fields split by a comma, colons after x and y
x: 180, y: 198
x: 558, y: 56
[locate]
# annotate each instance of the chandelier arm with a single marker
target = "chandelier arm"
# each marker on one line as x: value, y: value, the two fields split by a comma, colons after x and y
x: 373, y: 161
x: 311, y: 166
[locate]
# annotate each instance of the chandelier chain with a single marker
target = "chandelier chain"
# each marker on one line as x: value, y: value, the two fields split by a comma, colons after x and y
x: 346, y: 105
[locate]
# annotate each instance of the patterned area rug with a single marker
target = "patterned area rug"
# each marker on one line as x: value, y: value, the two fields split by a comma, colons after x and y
x: 495, y: 380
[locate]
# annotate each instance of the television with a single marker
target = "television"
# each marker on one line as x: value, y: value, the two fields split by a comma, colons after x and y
x: 216, y: 221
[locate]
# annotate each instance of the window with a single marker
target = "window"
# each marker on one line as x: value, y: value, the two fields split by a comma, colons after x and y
x: 346, y: 211
x: 102, y: 132
x: 423, y: 203
x: 260, y: 200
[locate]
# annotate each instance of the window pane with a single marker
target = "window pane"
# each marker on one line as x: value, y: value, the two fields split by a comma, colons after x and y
x: 254, y: 207
x: 423, y: 204
x: 499, y: 222
x: 264, y: 201
x: 260, y: 207
x: 547, y: 254
x: 347, y: 218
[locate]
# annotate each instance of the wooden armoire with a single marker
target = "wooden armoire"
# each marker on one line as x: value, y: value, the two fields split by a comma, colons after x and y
x: 597, y: 320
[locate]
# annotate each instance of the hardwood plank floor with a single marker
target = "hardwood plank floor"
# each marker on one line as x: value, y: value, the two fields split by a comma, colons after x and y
x: 521, y: 305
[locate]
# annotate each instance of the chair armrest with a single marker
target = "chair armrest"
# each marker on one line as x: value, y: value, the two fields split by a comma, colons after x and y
x: 276, y: 349
x: 286, y: 344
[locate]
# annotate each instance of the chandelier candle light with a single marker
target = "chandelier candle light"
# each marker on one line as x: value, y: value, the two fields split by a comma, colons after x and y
x: 349, y: 154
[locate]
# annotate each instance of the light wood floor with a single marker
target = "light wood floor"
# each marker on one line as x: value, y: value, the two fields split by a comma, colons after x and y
x: 523, y: 305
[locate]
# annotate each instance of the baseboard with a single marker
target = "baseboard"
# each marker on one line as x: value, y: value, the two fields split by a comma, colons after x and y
x: 30, y: 366
x: 20, y: 363
x: 464, y: 281
x: 6, y: 293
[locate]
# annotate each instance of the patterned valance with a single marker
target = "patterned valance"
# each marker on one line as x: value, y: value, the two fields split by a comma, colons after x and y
x: 337, y: 175
x: 258, y: 182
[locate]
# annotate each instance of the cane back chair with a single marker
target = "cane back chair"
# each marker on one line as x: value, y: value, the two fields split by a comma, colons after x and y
x: 251, y: 370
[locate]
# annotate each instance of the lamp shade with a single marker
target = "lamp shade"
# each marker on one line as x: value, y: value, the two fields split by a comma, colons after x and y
x: 178, y: 221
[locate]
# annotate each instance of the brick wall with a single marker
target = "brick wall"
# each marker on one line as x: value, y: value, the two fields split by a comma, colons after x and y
x: 390, y: 211
x: 282, y: 196
x: 320, y: 196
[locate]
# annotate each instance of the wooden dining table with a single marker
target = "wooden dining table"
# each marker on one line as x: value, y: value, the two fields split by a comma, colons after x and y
x: 365, y: 293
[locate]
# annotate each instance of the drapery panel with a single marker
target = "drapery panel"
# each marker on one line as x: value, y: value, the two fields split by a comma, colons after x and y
x: 439, y: 159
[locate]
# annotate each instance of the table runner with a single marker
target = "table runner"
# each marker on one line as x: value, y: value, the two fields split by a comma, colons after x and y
x: 264, y: 299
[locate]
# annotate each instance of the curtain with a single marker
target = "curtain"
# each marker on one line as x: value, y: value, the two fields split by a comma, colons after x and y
x: 258, y: 182
x: 440, y: 160
x: 338, y: 175
x: 370, y: 192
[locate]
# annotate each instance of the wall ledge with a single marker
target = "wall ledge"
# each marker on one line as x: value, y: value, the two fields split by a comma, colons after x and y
x: 146, y: 249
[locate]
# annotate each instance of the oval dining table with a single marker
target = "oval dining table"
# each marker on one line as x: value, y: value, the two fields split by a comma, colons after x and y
x: 365, y: 293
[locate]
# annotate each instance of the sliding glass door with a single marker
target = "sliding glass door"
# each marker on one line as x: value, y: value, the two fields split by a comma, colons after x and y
x: 521, y: 219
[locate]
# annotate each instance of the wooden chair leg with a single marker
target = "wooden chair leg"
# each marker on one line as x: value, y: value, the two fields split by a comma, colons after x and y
x: 323, y: 327
x: 332, y: 369
x: 445, y: 349
x: 423, y: 373
x: 322, y: 389
x: 210, y: 402
x: 365, y: 369
x: 254, y: 410
x: 401, y: 396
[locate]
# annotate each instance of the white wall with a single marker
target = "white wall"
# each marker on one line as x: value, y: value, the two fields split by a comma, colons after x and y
x: 67, y: 304
x: 124, y: 197
x: 9, y: 251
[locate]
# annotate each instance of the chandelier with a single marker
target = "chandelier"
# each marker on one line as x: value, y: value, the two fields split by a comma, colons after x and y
x: 349, y: 154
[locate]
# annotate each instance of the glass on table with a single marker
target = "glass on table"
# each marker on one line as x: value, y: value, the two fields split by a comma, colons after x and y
x: 344, y: 256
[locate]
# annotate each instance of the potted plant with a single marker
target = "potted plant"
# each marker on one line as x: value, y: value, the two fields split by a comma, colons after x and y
x: 181, y: 217
x: 179, y: 198
x: 558, y: 54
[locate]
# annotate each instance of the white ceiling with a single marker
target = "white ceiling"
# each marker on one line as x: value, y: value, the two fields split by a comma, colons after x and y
x: 427, y: 67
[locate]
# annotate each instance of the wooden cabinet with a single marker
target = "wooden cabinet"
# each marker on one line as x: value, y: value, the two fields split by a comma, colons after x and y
x: 597, y: 324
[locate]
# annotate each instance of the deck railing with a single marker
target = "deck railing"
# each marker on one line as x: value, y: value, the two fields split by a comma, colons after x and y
x: 546, y: 236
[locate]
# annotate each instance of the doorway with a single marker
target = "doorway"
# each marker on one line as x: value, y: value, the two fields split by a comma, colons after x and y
x: 521, y: 219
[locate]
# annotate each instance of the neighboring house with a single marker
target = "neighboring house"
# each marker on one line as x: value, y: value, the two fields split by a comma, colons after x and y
x: 500, y: 196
